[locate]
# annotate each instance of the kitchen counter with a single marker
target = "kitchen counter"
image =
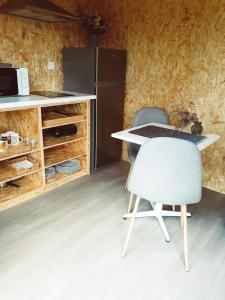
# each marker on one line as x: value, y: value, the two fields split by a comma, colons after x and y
x: 20, y: 102
x: 30, y: 117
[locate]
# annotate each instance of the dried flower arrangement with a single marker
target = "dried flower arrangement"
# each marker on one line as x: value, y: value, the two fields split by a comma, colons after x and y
x: 184, y: 116
x: 94, y: 24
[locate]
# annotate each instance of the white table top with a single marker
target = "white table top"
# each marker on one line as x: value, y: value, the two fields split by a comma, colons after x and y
x: 137, y: 139
x: 19, y: 102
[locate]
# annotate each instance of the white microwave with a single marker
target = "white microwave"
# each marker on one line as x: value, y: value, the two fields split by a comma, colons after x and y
x: 14, y: 81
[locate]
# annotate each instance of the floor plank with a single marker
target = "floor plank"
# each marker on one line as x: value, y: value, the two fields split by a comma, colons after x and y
x: 67, y: 244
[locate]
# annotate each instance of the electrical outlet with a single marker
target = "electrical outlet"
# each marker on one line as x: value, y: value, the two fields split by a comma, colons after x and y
x: 51, y: 65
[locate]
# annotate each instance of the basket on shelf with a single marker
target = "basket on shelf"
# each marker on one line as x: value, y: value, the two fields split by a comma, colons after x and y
x: 21, y: 171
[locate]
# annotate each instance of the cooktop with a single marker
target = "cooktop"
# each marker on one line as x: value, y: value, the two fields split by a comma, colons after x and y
x: 51, y: 94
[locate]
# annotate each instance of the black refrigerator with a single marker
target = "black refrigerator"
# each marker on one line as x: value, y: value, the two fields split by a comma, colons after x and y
x: 100, y: 71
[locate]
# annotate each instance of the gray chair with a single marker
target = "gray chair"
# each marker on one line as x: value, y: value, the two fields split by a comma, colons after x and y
x: 166, y: 171
x: 144, y: 116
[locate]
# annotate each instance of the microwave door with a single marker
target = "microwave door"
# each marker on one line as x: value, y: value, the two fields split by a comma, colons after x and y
x: 23, y: 82
x: 8, y: 82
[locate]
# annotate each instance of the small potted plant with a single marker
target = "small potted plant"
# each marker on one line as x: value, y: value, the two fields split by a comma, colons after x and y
x: 185, y: 116
x: 95, y: 25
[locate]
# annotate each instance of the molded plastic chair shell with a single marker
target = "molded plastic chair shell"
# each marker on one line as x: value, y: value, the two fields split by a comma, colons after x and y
x: 167, y: 171
x: 144, y: 116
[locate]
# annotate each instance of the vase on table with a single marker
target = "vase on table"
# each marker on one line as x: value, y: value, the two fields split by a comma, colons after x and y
x: 93, y: 40
x: 197, y: 128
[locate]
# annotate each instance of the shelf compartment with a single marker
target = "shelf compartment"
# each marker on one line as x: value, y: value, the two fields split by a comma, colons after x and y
x: 7, y: 173
x: 56, y: 115
x: 52, y: 119
x: 11, y: 195
x: 60, y: 154
x: 50, y: 140
x: 60, y: 177
x: 26, y: 123
x: 17, y: 150
x: 65, y: 123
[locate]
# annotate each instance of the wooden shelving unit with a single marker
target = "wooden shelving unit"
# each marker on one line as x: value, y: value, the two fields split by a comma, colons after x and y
x: 49, y: 151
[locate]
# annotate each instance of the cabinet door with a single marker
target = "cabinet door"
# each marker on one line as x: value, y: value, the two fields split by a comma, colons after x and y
x: 109, y: 115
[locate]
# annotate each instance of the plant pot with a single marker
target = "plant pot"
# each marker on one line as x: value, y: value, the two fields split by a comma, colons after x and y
x: 93, y: 40
x: 197, y: 128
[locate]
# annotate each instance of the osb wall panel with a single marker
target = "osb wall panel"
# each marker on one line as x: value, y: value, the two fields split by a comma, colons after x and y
x: 176, y: 54
x: 27, y: 43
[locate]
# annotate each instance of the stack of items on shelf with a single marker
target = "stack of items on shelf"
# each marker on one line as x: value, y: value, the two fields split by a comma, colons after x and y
x: 23, y: 165
x: 68, y: 167
x: 15, y: 168
x: 11, y: 138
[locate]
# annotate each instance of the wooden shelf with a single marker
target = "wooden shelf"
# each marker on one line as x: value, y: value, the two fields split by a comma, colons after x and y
x: 60, y: 154
x: 29, y: 184
x: 51, y: 141
x: 59, y: 116
x: 18, y: 150
x: 66, y: 123
x: 52, y: 160
x: 59, y: 177
x: 8, y: 174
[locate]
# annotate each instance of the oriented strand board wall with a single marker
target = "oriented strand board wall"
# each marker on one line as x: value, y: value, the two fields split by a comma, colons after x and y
x: 27, y: 43
x: 176, y: 54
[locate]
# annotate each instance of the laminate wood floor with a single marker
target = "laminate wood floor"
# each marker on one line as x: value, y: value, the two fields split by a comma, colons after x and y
x: 66, y: 245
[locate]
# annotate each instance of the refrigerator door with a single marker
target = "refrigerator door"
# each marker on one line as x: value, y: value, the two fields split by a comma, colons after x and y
x: 79, y: 69
x: 111, y: 65
x: 109, y: 119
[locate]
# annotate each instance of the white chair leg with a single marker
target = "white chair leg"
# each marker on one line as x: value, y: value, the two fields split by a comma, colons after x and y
x: 181, y: 218
x: 164, y: 229
x: 128, y: 177
x: 130, y: 202
x: 131, y: 226
x: 184, y: 212
x: 173, y: 207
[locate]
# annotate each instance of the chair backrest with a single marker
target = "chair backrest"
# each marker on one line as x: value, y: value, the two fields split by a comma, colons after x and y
x: 144, y: 116
x: 167, y: 171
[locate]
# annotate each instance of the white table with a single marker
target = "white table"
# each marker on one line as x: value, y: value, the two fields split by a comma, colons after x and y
x: 158, y: 210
